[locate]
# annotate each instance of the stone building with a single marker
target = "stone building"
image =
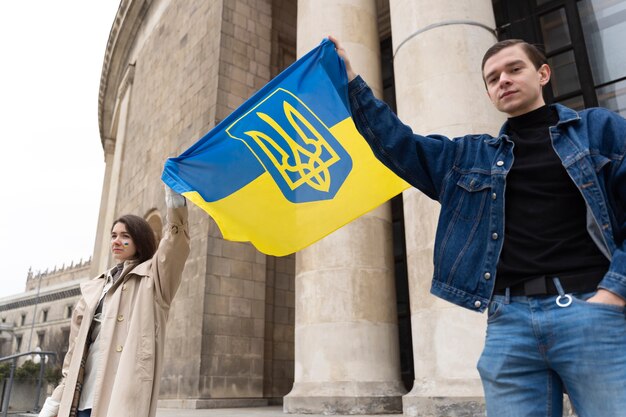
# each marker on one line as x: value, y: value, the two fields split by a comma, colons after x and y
x: 347, y: 325
x: 40, y: 316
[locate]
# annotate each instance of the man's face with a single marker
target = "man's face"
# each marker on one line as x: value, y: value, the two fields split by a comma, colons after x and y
x: 513, y: 83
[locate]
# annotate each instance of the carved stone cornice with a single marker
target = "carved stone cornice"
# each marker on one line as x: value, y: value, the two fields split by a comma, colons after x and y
x: 127, y: 22
x: 127, y: 80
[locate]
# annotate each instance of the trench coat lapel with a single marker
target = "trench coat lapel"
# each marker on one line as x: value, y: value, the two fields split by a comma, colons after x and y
x: 91, y: 291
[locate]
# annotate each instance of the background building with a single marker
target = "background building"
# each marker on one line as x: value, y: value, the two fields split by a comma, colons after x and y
x: 40, y: 317
x: 347, y: 325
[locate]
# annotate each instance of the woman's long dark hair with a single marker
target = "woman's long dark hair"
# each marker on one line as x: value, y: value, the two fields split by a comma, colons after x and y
x: 142, y: 235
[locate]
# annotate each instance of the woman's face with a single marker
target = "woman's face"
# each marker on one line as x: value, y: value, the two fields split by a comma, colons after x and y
x: 122, y: 245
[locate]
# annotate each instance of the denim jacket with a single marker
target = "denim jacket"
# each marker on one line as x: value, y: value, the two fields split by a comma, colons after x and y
x: 467, y: 175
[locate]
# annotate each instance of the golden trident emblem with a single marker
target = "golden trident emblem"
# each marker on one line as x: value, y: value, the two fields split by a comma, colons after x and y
x: 295, y: 158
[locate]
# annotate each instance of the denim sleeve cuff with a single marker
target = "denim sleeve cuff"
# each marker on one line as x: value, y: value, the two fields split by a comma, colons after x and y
x: 356, y: 85
x: 616, y: 283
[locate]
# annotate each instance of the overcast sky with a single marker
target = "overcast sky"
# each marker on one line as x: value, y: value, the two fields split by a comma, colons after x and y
x: 52, y: 160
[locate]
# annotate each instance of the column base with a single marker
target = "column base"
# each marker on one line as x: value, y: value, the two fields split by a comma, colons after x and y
x: 414, y: 406
x: 209, y: 403
x: 345, y: 398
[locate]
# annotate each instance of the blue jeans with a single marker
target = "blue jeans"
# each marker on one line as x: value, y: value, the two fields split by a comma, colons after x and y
x: 84, y: 413
x: 535, y: 350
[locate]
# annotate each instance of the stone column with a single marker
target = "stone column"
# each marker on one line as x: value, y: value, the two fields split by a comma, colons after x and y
x: 438, y: 47
x: 346, y: 341
x: 101, y: 259
x: 98, y: 252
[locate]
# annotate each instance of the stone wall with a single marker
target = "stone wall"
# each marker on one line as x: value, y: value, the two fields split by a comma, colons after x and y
x: 279, y: 329
x: 234, y: 313
x: 22, y: 395
x: 172, y: 104
x: 189, y: 65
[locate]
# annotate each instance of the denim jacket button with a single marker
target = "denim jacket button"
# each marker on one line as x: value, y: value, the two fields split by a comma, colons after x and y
x: 477, y: 304
x: 487, y: 275
x: 500, y: 163
x: 494, y: 196
x: 494, y: 236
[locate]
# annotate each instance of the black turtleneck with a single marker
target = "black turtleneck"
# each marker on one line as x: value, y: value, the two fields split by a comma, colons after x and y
x: 545, y: 214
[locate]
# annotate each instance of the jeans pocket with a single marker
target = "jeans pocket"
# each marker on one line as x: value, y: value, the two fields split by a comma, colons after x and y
x: 493, y: 311
x: 581, y: 299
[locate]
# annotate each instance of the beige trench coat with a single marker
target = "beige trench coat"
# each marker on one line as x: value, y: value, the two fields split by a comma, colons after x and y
x: 133, y: 330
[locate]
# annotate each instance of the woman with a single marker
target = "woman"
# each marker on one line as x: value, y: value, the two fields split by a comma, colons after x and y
x: 115, y: 356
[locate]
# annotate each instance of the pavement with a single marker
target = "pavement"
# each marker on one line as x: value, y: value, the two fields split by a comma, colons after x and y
x: 268, y: 411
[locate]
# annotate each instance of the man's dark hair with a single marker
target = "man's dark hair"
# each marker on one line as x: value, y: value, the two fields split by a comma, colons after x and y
x: 536, y: 56
x: 142, y: 235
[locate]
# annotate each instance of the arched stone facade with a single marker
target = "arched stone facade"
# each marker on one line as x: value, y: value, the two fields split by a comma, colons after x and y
x: 246, y: 328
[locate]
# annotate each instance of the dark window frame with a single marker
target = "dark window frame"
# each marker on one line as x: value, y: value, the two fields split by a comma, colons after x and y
x: 41, y: 338
x: 521, y: 19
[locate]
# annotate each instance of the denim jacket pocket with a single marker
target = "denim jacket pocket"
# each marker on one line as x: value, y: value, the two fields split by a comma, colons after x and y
x: 471, y: 195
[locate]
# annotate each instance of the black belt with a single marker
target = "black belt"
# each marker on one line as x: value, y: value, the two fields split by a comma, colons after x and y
x: 544, y: 284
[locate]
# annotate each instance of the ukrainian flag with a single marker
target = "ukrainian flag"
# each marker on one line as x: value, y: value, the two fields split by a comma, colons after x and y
x: 288, y: 167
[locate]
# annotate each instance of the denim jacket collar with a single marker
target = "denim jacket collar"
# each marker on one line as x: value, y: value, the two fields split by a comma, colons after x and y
x: 566, y: 115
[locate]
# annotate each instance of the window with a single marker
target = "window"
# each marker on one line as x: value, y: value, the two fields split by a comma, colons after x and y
x: 564, y: 78
x: 583, y: 41
x: 18, y: 343
x: 68, y: 311
x: 613, y: 96
x: 23, y: 319
x: 40, y: 339
x: 575, y: 103
x: 559, y: 49
x: 604, y: 28
x: 44, y: 316
x: 554, y: 30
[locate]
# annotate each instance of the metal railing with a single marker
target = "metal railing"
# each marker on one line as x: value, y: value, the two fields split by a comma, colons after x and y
x: 13, y: 359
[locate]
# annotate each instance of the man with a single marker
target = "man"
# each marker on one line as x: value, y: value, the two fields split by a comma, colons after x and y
x: 532, y: 229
